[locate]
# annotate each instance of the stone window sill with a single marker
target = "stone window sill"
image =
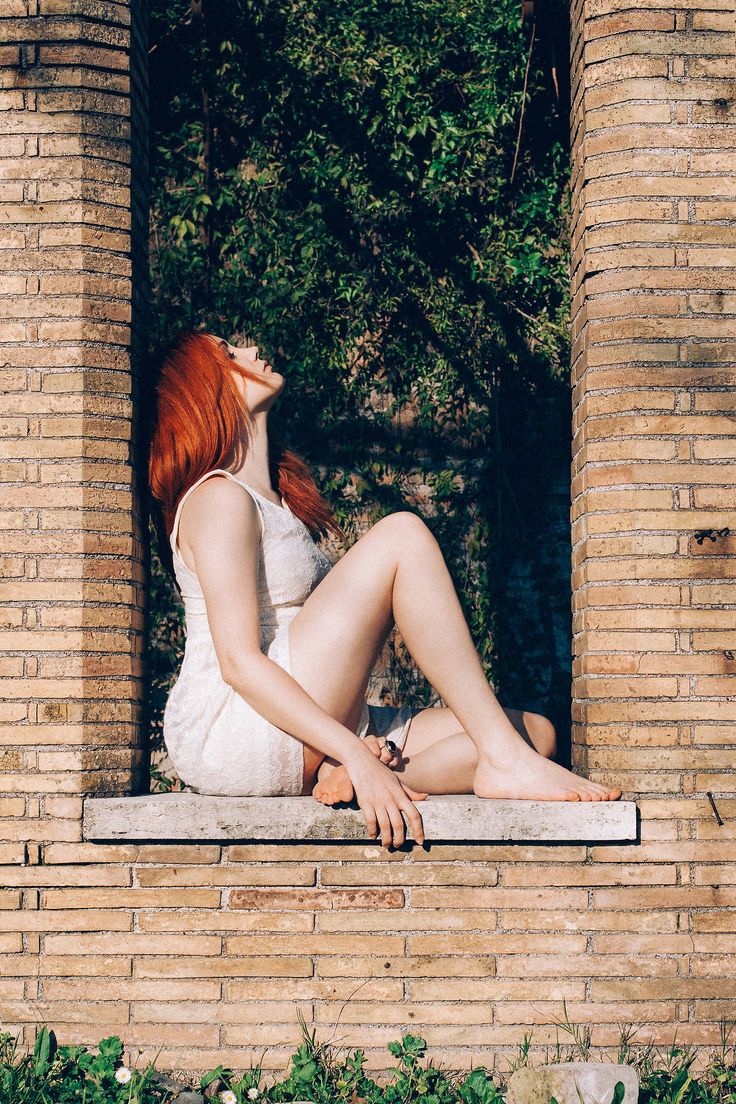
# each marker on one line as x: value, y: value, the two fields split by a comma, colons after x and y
x: 186, y: 817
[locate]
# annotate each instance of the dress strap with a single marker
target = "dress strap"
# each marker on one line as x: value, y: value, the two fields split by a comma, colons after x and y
x: 177, y: 516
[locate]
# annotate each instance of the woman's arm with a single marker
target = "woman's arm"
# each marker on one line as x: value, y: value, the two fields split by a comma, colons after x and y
x: 220, y: 530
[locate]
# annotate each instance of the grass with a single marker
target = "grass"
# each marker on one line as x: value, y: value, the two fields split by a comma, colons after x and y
x: 328, y: 1074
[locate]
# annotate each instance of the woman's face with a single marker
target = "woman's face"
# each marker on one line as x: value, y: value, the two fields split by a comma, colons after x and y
x: 259, y: 394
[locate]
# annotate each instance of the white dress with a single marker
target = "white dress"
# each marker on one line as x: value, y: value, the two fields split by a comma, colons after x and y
x: 217, y: 742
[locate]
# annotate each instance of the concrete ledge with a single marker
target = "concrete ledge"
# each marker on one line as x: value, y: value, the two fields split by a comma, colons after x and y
x: 188, y: 816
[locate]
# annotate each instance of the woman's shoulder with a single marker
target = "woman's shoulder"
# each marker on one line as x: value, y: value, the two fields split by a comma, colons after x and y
x: 218, y: 508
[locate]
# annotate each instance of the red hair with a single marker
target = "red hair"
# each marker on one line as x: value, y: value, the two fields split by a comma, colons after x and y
x: 200, y: 422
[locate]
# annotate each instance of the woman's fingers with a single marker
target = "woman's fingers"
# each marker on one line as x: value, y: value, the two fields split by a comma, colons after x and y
x: 387, y: 805
x: 369, y: 815
x: 414, y: 820
x: 415, y: 795
x: 397, y: 824
x: 384, y: 750
x: 386, y: 826
x: 401, y: 813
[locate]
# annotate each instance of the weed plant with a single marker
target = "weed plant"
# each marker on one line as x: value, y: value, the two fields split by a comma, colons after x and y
x: 327, y: 1074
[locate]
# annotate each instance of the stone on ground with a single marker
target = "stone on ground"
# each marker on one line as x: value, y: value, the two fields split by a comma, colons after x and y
x: 574, y: 1083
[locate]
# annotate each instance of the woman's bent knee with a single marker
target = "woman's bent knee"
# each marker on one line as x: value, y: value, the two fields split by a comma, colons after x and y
x: 404, y: 526
x: 545, y: 735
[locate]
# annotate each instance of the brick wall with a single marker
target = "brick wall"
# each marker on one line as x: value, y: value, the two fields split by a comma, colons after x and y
x: 654, y: 328
x: 208, y: 950
x: 72, y: 593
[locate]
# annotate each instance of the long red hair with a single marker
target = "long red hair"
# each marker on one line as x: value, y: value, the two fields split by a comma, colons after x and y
x: 200, y: 421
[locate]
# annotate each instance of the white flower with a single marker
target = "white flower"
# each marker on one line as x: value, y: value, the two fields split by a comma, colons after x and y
x: 253, y: 1094
x: 123, y: 1075
x: 228, y: 1097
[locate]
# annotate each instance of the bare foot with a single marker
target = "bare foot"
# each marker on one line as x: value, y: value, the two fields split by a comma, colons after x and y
x: 333, y: 784
x: 534, y: 778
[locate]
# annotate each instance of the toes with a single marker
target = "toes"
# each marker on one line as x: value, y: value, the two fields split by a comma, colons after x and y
x: 325, y: 794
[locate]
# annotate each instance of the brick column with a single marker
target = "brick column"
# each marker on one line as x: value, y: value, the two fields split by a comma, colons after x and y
x: 72, y: 558
x: 654, y: 371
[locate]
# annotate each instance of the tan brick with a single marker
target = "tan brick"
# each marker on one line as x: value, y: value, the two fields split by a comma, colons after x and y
x: 513, y: 1012
x: 502, y: 898
x: 676, y: 897
x: 588, y: 921
x: 59, y: 875
x: 637, y: 965
x: 60, y: 1012
x: 190, y: 1011
x: 661, y: 989
x: 496, y: 943
x: 714, y: 921
x: 715, y: 966
x: 227, y: 921
x: 308, y: 988
x: 402, y: 1013
x: 630, y: 943
x: 436, y: 919
x: 281, y: 875
x: 130, y: 898
x: 497, y: 989
x: 409, y: 874
x: 137, y: 943
x: 193, y: 966
x: 629, y: 875
x: 16, y: 965
x: 354, y: 966
x: 317, y: 944
x: 46, y: 920
x: 69, y: 989
x: 498, y: 853
x: 84, y: 853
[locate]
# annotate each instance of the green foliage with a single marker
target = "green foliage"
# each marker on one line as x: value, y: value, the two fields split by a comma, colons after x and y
x: 54, y: 1074
x: 669, y: 1077
x: 318, y: 1073
x: 339, y: 180
x: 619, y: 1092
x: 325, y: 1074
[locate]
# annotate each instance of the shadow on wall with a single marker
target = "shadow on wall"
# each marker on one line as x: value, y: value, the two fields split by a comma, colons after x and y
x: 528, y: 503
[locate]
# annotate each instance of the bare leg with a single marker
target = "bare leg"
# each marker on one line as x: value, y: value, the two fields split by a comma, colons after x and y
x: 438, y: 756
x: 396, y: 570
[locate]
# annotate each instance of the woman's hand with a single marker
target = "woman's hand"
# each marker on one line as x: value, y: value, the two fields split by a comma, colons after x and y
x: 385, y: 750
x: 385, y: 801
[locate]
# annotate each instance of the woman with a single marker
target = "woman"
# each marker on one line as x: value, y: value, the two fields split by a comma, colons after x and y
x: 281, y: 643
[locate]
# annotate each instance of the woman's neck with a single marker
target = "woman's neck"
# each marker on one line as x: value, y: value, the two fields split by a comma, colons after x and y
x: 255, y: 468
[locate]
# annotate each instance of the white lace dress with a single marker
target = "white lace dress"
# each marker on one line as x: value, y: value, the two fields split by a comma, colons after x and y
x: 217, y: 742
